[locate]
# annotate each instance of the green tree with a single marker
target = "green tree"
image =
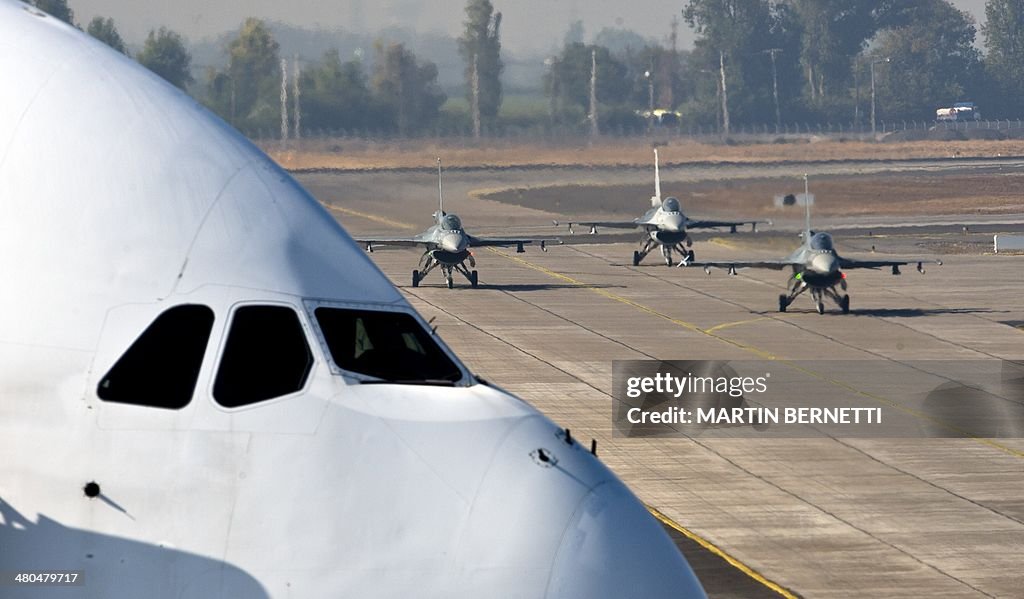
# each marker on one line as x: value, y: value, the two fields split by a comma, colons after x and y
x: 620, y: 41
x: 568, y: 81
x: 736, y: 33
x: 164, y: 53
x: 834, y: 32
x: 481, y: 41
x: 405, y: 89
x: 56, y: 8
x: 1004, y: 39
x: 105, y: 31
x: 933, y: 62
x: 336, y: 95
x: 574, y: 34
x: 248, y: 94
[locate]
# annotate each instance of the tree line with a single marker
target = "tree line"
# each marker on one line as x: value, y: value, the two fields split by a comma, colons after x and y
x: 754, y: 61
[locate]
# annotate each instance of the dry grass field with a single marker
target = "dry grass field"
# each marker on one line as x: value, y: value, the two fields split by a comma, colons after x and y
x: 355, y: 154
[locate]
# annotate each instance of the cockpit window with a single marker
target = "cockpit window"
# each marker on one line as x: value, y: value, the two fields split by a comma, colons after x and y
x: 671, y: 205
x: 161, y: 367
x: 265, y: 356
x: 821, y: 242
x: 390, y: 346
x: 451, y: 223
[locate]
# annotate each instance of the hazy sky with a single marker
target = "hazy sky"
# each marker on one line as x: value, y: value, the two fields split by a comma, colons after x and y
x: 529, y: 26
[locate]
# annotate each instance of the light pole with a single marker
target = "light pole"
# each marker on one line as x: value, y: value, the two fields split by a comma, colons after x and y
x: 725, y: 94
x: 551, y: 63
x: 650, y: 99
x: 873, y: 63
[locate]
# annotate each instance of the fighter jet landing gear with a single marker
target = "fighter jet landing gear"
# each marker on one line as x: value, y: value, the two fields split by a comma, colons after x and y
x: 843, y: 301
x: 666, y: 252
x: 687, y: 255
x: 428, y: 264
x: 645, y: 248
x: 471, y: 276
x: 798, y: 288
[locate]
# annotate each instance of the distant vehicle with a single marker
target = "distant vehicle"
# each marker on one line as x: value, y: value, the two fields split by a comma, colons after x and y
x: 661, y: 116
x: 960, y: 111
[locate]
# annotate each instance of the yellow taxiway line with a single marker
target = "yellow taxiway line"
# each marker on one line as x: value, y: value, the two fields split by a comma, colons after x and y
x: 377, y: 219
x: 706, y: 544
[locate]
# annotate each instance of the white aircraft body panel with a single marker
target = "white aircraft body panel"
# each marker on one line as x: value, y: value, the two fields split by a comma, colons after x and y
x: 121, y: 197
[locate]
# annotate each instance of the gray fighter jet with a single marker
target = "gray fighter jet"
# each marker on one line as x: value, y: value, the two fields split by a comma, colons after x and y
x: 816, y: 266
x: 664, y: 226
x: 448, y: 246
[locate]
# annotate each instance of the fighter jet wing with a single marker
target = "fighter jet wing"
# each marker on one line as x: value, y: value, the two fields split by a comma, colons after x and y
x: 610, y: 224
x: 713, y: 224
x: 376, y: 242
x: 734, y: 265
x: 849, y: 264
x: 510, y: 241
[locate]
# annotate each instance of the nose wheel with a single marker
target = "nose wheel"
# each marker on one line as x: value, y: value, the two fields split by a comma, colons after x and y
x: 783, y: 302
x: 844, y: 304
x: 415, y: 278
x: 474, y: 279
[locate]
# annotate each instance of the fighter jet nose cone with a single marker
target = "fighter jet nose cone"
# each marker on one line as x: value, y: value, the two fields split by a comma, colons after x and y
x: 824, y: 263
x: 453, y: 243
x: 673, y: 225
x: 614, y: 548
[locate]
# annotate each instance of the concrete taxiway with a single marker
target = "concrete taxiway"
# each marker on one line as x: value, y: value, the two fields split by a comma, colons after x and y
x: 814, y: 517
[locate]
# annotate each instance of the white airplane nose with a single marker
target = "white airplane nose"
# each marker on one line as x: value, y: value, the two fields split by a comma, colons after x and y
x: 554, y: 519
x: 614, y: 548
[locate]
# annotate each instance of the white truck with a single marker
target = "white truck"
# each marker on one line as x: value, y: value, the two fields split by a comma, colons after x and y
x: 960, y: 111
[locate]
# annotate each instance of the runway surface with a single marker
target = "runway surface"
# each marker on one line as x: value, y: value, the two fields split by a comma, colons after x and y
x: 798, y: 517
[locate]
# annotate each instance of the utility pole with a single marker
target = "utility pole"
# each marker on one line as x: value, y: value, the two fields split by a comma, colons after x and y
x: 284, y: 99
x: 475, y: 82
x: 594, y: 129
x: 775, y: 87
x: 552, y: 64
x: 297, y: 125
x: 873, y: 63
x: 856, y: 93
x: 650, y: 96
x: 725, y: 94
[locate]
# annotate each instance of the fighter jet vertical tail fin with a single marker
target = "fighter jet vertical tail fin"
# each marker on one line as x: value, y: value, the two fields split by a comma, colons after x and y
x: 807, y: 211
x: 656, y: 200
x: 440, y: 193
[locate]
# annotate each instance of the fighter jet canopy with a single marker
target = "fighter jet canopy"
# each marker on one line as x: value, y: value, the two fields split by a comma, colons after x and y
x: 821, y: 242
x: 451, y: 223
x: 670, y: 205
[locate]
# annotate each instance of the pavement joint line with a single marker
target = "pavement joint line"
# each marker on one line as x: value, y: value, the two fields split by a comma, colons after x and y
x: 719, y: 552
x: 762, y: 353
